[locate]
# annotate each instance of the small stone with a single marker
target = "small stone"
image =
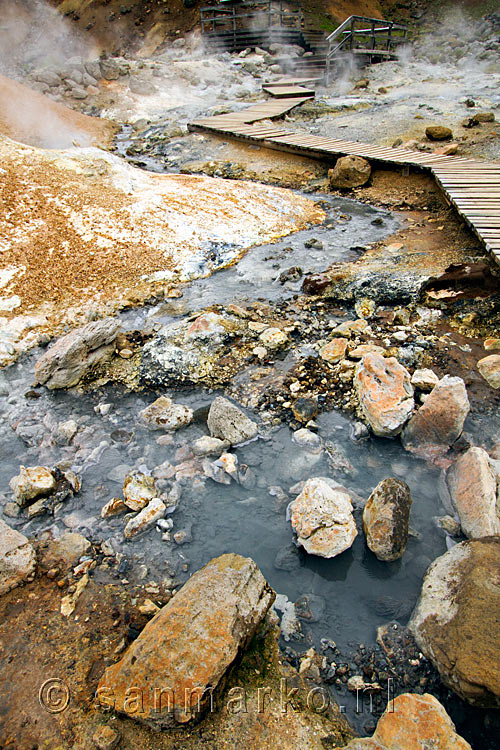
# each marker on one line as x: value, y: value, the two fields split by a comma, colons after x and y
x: 304, y: 409
x: 31, y: 483
x: 291, y: 274
x: 114, y: 507
x: 492, y: 345
x: 12, y: 510
x: 66, y: 431
x: 138, y: 490
x: 450, y: 525
x: 365, y: 308
x: 273, y: 338
x: 334, y: 351
x: 351, y: 327
x: 227, y: 422
x: 314, y: 243
x: 126, y: 353
x: 164, y: 414
x: 41, y: 507
x: 359, y: 351
x: 106, y: 738
x: 148, y: 607
x: 207, y: 446
x: 260, y: 352
x: 147, y: 517
x: 489, y: 367
x: 67, y: 550
x: 307, y: 439
x: 424, y: 380
x: 69, y: 602
x: 484, y: 117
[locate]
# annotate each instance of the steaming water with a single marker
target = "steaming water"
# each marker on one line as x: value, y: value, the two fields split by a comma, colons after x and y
x: 348, y: 596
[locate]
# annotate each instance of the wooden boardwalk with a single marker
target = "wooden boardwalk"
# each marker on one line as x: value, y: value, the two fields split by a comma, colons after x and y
x: 471, y: 186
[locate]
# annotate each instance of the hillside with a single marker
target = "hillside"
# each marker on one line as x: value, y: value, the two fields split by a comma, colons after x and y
x: 119, y: 26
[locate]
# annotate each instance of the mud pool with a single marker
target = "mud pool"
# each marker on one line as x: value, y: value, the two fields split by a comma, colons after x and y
x: 344, y: 599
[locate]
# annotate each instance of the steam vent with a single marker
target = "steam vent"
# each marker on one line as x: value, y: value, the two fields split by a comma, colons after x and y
x: 249, y: 375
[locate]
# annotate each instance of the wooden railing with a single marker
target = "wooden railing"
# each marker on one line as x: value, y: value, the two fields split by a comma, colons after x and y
x: 375, y: 36
x: 268, y: 13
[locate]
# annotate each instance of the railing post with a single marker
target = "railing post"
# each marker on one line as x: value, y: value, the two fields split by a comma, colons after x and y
x: 351, y: 42
x: 389, y: 37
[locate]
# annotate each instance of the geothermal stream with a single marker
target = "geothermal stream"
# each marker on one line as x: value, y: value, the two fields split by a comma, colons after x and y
x: 343, y: 599
x: 335, y: 605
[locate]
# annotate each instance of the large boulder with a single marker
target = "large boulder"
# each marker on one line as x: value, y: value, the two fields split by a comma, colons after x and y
x: 386, y: 519
x: 413, y: 722
x: 74, y: 355
x: 184, y: 652
x: 473, y: 483
x: 439, y: 422
x: 227, y: 422
x: 385, y: 393
x: 322, y: 519
x: 349, y: 172
x: 456, y: 622
x: 17, y: 559
x: 438, y: 133
x: 164, y: 414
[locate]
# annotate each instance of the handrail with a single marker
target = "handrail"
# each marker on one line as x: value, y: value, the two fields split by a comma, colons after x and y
x: 213, y: 17
x: 347, y: 33
x: 349, y: 20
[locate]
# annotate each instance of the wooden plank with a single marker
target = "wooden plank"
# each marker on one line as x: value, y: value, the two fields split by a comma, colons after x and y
x: 286, y: 92
x: 472, y: 187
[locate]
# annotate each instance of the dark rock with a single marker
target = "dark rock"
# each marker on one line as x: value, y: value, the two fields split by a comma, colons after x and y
x: 386, y: 519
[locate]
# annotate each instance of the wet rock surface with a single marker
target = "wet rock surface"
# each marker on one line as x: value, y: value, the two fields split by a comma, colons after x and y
x: 429, y: 297
x: 439, y: 421
x: 191, y: 643
x: 413, y: 721
x: 227, y: 422
x: 455, y: 621
x: 73, y: 355
x: 164, y: 414
x: 17, y: 559
x: 386, y: 518
x: 322, y: 519
x: 473, y: 482
x: 385, y: 394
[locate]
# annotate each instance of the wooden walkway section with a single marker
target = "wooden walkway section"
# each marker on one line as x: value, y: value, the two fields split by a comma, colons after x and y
x: 471, y: 186
x: 282, y: 91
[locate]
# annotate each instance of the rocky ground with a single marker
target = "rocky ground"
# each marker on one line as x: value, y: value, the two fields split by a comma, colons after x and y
x: 398, y: 336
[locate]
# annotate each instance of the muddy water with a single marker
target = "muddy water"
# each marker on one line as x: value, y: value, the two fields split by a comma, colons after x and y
x: 345, y: 598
